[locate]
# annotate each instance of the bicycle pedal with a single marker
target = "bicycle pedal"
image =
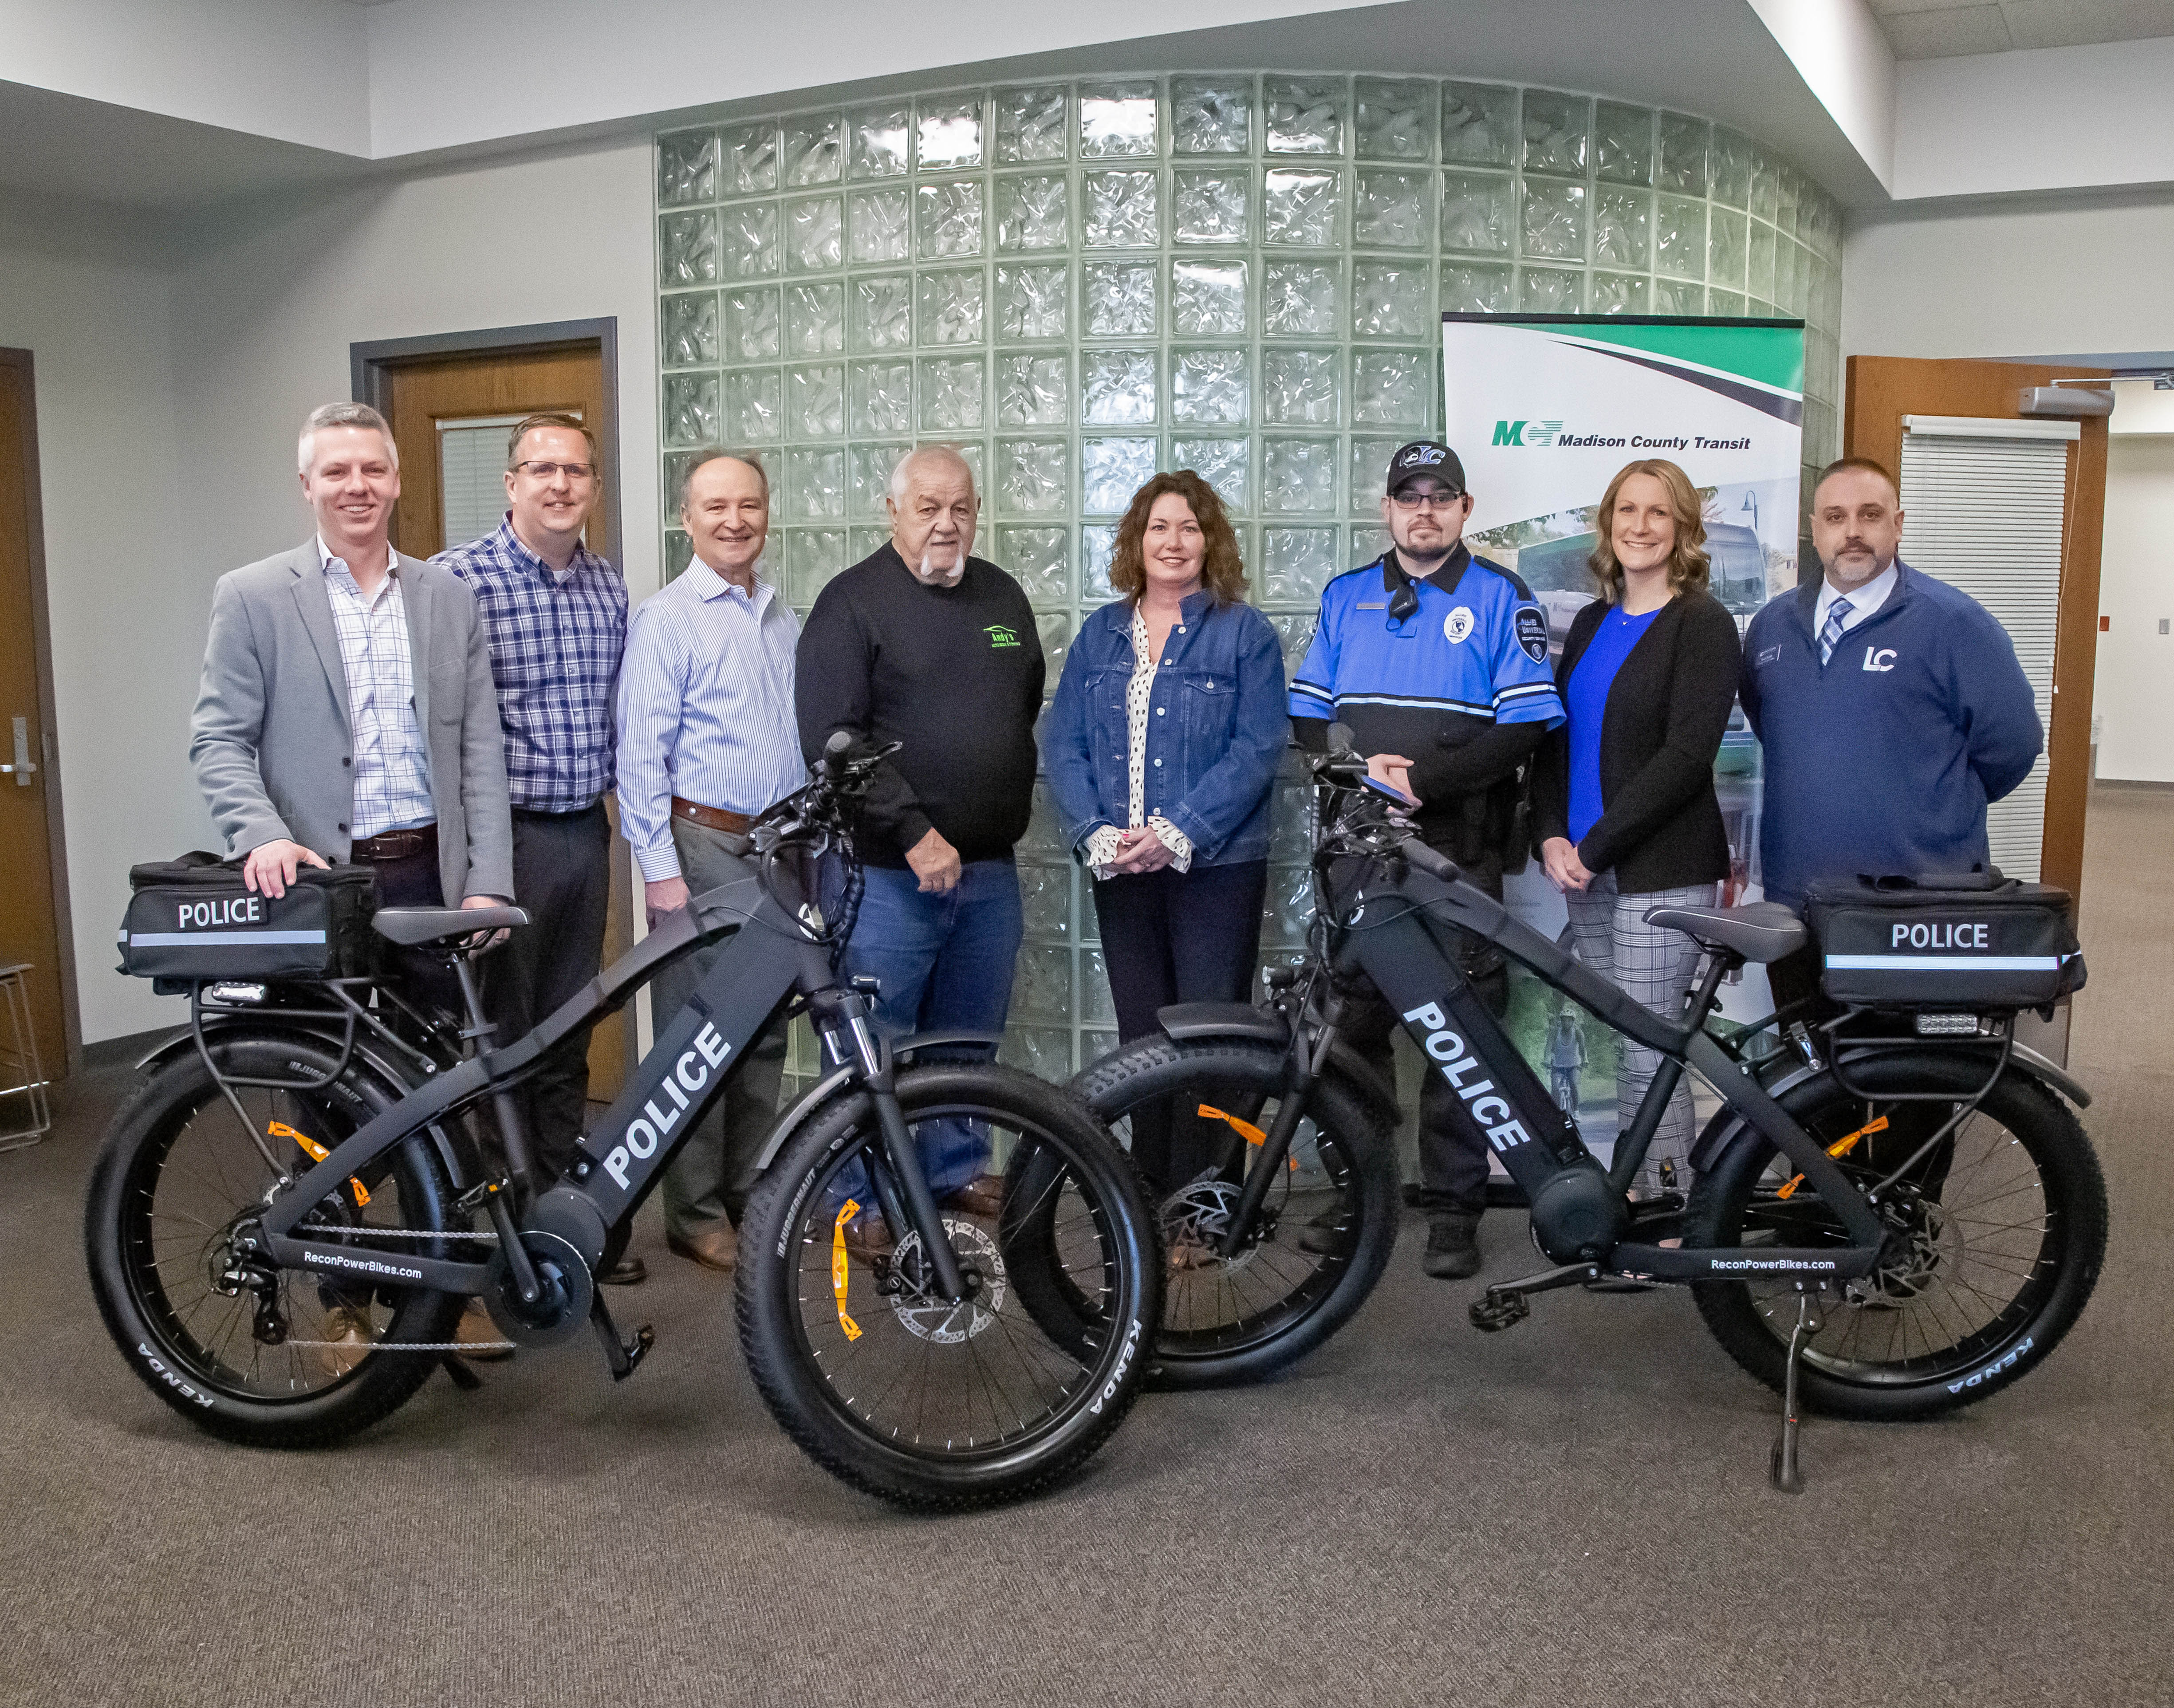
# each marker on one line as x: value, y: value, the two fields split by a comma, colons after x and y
x: 632, y: 1351
x: 622, y: 1355
x: 1495, y: 1313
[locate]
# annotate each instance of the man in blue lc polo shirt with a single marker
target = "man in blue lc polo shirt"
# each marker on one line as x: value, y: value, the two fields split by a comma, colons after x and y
x: 1438, y: 661
x: 1891, y: 706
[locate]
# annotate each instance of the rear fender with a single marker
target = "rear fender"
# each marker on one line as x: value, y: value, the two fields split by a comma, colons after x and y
x: 395, y: 1079
x: 1727, y: 1125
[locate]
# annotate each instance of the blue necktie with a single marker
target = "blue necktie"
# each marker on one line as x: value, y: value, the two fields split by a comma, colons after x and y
x: 1831, y: 635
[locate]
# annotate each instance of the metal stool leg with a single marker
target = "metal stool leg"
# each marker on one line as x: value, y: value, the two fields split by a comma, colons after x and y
x: 27, y: 1081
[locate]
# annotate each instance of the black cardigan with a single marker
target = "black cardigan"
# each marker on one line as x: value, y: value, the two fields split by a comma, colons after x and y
x: 1660, y: 826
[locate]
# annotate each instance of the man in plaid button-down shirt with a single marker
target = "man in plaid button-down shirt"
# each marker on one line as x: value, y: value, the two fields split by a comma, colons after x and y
x: 556, y: 616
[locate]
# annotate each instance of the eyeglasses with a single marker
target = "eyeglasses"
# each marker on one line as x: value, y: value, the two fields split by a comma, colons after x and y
x: 575, y: 472
x: 1426, y: 501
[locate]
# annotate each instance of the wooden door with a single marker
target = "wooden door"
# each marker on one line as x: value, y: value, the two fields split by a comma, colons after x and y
x: 1881, y: 391
x: 434, y: 395
x: 33, y: 896
x: 426, y: 398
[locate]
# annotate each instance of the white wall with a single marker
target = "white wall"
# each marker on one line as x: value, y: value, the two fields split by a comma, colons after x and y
x: 2049, y: 118
x: 2133, y: 694
x: 266, y: 306
x: 2036, y: 277
x: 90, y: 299
x: 171, y: 383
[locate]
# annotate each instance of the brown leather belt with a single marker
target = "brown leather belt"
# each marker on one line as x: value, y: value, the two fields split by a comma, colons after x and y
x: 398, y: 845
x: 711, y: 818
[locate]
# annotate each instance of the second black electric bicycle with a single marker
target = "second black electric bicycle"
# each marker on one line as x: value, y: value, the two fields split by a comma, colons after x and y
x: 1902, y: 1223
x: 286, y: 1217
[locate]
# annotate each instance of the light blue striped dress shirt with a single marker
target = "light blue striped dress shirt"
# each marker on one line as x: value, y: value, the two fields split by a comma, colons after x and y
x: 706, y: 709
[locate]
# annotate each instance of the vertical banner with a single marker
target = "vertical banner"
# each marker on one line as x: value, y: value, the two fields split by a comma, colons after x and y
x: 1544, y: 410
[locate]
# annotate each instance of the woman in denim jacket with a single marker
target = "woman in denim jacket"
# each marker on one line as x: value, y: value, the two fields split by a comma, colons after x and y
x: 1161, y: 747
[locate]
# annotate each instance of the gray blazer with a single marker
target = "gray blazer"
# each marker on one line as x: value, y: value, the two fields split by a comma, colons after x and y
x: 270, y: 738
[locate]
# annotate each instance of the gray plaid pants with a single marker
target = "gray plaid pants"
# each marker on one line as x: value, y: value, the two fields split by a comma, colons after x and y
x: 1654, y: 965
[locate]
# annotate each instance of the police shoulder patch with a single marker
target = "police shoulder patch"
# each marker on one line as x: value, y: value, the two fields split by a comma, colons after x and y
x: 1533, y: 633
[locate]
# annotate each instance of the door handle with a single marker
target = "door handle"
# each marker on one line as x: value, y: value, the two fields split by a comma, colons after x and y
x: 22, y: 770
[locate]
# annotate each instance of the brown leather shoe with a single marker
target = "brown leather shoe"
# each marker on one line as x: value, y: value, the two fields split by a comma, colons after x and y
x: 629, y: 1271
x: 350, y: 1329
x: 867, y: 1238
x: 480, y: 1338
x: 714, y: 1247
x: 981, y: 1195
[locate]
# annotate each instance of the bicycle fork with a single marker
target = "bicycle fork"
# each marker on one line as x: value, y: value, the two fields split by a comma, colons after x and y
x: 847, y: 1015
x: 1306, y: 1063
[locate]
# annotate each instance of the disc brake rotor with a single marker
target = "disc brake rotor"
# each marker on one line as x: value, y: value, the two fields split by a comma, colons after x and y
x: 926, y: 1316
x: 1923, y: 1250
x: 1195, y: 1218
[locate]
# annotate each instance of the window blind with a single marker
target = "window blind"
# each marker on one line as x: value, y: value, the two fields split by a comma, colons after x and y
x: 472, y: 475
x: 1986, y: 506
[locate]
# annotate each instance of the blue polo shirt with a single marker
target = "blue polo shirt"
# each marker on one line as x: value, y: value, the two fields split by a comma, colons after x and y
x: 1476, y: 650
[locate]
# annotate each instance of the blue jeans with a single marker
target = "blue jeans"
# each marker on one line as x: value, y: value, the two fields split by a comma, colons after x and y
x: 941, y: 961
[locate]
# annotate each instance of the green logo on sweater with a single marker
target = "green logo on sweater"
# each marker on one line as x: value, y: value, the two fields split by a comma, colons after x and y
x: 1001, y: 634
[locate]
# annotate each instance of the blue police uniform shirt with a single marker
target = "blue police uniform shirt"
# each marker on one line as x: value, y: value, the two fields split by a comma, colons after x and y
x: 1477, y: 649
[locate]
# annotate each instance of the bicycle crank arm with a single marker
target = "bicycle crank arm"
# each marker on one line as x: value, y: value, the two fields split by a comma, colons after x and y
x: 1509, y: 1303
x: 622, y: 1355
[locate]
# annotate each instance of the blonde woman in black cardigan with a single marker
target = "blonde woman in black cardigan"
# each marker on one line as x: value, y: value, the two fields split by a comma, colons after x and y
x: 1623, y: 794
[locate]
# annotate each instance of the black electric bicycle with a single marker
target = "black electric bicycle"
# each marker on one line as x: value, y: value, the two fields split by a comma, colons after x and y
x: 286, y: 1218
x: 1901, y: 1222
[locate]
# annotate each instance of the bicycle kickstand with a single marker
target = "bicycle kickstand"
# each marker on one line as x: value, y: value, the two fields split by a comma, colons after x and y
x: 1782, y: 1470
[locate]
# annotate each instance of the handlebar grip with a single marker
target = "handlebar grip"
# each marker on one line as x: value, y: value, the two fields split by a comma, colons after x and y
x: 1429, y: 860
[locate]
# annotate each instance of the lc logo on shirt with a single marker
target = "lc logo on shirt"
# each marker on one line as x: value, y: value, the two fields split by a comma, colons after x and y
x: 1879, y: 658
x: 1001, y: 634
x: 1457, y: 624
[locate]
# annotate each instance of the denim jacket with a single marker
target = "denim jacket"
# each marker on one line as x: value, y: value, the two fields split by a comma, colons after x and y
x: 1216, y: 729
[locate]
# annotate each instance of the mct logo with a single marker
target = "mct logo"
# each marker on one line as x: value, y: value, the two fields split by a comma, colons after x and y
x: 1526, y: 432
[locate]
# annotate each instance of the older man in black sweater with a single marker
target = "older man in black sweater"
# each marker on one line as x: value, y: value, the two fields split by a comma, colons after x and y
x: 925, y: 644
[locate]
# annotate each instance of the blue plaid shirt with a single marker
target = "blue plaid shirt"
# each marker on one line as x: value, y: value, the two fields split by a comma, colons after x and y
x: 555, y: 643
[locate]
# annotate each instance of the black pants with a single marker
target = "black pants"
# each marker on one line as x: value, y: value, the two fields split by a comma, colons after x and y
x: 1452, y: 1151
x: 1178, y: 937
x: 423, y: 976
x: 562, y: 877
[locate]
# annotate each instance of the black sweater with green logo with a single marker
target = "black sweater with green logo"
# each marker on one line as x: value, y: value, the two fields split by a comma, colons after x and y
x: 955, y: 673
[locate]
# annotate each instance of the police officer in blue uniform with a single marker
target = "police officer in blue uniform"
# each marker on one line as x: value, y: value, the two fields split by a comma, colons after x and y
x: 1437, y: 661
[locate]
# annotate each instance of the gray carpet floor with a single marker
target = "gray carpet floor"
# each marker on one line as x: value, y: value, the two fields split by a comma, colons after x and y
x: 1572, y: 1513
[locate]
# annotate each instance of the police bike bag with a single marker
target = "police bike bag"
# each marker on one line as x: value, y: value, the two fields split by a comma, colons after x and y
x: 194, y: 918
x: 1973, y: 940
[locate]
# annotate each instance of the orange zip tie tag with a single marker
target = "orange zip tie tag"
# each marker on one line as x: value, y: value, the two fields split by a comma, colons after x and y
x: 1244, y: 1130
x: 838, y: 1267
x: 280, y: 1129
x: 1841, y: 1147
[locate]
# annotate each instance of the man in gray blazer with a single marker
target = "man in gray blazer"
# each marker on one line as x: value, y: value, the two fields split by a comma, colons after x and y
x: 346, y: 709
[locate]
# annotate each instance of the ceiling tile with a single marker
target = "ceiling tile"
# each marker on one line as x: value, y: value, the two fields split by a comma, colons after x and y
x: 2073, y: 23
x: 1948, y: 32
x: 1895, y: 8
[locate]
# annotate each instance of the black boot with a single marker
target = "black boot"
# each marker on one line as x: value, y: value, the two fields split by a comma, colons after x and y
x: 1453, y: 1250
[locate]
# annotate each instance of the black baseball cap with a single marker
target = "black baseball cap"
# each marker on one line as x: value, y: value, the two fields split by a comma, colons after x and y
x: 1426, y: 457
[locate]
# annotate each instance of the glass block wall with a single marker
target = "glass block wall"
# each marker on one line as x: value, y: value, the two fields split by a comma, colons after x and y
x: 1079, y: 283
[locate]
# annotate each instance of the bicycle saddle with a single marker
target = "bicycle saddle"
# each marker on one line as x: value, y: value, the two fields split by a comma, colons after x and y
x: 410, y: 926
x: 1764, y: 930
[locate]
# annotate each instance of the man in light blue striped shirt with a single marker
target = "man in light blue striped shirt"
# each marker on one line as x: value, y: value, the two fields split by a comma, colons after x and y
x: 708, y: 739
